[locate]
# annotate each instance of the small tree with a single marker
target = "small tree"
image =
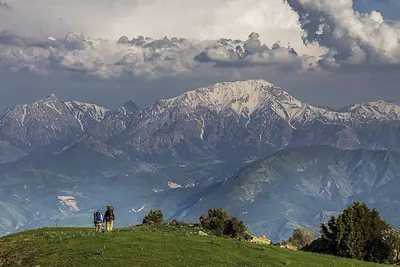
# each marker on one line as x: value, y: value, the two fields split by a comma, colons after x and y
x: 218, y: 222
x: 358, y: 233
x: 214, y: 221
x: 154, y: 216
x: 235, y: 228
x: 301, y: 237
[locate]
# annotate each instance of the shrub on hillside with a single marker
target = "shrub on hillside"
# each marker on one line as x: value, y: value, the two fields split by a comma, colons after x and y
x: 319, y: 245
x: 357, y: 233
x: 301, y: 237
x: 214, y: 221
x: 154, y: 216
x: 218, y: 222
x: 177, y: 223
x: 235, y: 228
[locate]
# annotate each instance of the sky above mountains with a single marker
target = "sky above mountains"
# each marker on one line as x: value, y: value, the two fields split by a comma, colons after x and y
x: 324, y: 52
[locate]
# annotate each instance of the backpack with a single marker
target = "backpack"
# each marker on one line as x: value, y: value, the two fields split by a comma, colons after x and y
x: 111, y: 213
x: 97, y: 217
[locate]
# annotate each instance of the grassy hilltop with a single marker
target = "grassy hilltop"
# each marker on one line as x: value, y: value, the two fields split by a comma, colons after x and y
x: 164, y: 245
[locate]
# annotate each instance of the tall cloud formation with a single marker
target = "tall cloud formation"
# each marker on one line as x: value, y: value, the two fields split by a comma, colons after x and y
x: 147, y: 57
x: 110, y: 19
x: 352, y: 38
x: 335, y: 36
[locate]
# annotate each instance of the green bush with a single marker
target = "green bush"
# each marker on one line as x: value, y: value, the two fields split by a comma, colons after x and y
x: 154, y: 216
x: 235, y: 228
x: 214, y: 221
x: 319, y: 245
x: 301, y: 237
x: 177, y: 223
x: 217, y: 221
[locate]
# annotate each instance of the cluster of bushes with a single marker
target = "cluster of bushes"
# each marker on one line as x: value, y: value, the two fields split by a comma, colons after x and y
x: 358, y: 233
x: 217, y: 221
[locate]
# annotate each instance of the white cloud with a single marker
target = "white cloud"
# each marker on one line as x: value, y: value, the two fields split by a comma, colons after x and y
x: 358, y: 46
x: 353, y: 39
x: 206, y: 19
x: 144, y: 57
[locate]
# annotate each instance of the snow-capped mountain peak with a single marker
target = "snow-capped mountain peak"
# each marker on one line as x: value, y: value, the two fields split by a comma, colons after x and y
x: 241, y: 97
x: 244, y: 98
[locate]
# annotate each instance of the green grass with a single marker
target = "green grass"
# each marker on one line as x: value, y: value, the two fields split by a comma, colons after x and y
x: 149, y: 246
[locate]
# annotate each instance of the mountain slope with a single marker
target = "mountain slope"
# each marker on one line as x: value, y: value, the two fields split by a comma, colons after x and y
x: 86, y: 114
x: 304, y: 186
x: 47, y: 188
x: 115, y: 122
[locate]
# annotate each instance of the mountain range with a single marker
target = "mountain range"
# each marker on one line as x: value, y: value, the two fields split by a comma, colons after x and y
x: 61, y: 159
x: 238, y: 120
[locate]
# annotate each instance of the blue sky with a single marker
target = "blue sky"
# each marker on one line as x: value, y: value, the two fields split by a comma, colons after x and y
x: 389, y: 8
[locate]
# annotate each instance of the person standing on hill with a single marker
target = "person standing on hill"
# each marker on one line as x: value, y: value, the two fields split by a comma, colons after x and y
x: 109, y: 218
x: 98, y: 221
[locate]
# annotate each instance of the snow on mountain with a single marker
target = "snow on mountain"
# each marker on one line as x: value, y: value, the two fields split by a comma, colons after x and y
x: 249, y: 116
x: 378, y: 110
x: 115, y: 122
x: 45, y: 122
x: 52, y: 113
x: 69, y: 202
x: 84, y: 112
x: 38, y: 123
x: 247, y: 97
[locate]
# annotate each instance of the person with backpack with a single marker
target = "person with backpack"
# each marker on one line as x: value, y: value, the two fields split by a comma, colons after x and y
x: 109, y: 218
x: 98, y: 221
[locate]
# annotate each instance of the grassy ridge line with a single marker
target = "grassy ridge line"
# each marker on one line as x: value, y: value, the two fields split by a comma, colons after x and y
x: 149, y: 246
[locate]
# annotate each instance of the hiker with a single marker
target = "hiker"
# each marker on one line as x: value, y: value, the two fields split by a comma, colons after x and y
x: 98, y: 221
x: 109, y: 218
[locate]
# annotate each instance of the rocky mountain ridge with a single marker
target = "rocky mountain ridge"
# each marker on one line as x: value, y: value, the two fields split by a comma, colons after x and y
x: 253, y: 117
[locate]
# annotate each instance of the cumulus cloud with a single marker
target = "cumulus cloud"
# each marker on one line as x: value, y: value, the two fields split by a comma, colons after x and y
x: 145, y: 57
x: 228, y: 53
x: 110, y: 19
x: 352, y: 38
x: 101, y: 39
